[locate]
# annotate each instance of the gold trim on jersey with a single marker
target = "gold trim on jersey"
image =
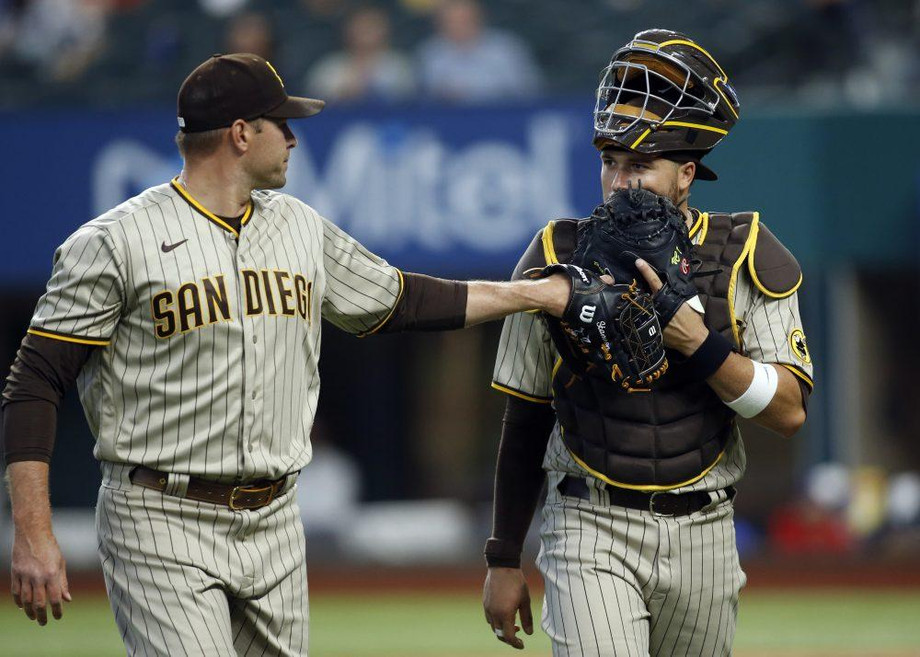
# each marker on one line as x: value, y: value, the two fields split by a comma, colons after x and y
x: 44, y: 333
x: 556, y: 367
x: 382, y: 323
x: 755, y: 229
x: 648, y: 487
x: 795, y: 370
x: 733, y: 281
x: 521, y: 395
x: 549, y: 250
x: 210, y: 216
x: 701, y: 225
x: 704, y: 228
x: 696, y: 224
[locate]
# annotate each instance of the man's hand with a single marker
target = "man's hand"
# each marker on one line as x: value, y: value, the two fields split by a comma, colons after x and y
x: 504, y: 594
x: 39, y: 575
x: 686, y: 330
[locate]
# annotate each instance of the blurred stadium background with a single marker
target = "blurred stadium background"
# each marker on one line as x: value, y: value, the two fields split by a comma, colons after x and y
x: 447, y: 164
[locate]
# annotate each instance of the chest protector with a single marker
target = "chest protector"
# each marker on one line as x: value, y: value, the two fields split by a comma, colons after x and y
x: 674, y: 432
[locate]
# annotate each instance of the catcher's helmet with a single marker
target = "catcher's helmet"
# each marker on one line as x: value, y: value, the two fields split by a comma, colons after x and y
x: 663, y: 93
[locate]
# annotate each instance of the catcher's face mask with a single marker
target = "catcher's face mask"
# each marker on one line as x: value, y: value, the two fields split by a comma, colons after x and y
x: 662, y: 92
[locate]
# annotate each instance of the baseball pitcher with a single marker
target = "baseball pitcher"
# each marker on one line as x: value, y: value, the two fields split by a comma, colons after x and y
x: 189, y: 318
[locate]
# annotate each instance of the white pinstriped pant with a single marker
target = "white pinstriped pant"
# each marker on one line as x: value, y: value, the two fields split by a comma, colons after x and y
x: 624, y: 582
x: 192, y: 578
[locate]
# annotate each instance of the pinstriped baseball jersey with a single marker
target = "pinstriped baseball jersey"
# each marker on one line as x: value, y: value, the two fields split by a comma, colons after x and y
x: 770, y: 332
x: 209, y: 337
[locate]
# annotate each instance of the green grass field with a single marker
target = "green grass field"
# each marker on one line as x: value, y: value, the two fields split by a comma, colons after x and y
x: 795, y: 623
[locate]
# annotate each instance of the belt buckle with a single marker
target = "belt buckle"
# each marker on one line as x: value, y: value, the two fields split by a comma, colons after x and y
x: 246, y: 489
x: 651, y: 504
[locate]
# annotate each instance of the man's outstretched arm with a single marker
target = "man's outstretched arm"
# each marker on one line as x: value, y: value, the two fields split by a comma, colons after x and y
x: 487, y: 301
x: 436, y: 304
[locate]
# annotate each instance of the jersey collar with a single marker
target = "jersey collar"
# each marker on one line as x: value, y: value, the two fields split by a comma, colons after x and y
x: 701, y: 226
x: 210, y: 216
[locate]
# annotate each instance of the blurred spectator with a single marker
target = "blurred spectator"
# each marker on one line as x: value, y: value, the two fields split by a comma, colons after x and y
x: 815, y: 522
x: 904, y: 500
x: 834, y: 38
x: 58, y: 39
x: 221, y: 8
x: 252, y: 33
x: 466, y: 61
x: 367, y: 67
x: 326, y: 9
x: 10, y: 11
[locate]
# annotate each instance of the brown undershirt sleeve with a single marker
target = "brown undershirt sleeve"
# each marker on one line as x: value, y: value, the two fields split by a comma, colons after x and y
x: 428, y: 304
x: 43, y: 371
x: 518, y: 478
x: 806, y: 393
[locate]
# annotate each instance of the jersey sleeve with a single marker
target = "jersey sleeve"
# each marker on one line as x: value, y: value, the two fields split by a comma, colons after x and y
x: 362, y: 289
x: 85, y: 295
x: 524, y: 363
x: 773, y: 332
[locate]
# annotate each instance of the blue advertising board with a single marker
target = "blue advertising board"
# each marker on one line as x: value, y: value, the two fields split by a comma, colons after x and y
x: 444, y: 191
x: 460, y: 191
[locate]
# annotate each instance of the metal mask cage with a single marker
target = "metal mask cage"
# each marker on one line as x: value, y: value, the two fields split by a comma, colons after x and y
x: 639, y: 86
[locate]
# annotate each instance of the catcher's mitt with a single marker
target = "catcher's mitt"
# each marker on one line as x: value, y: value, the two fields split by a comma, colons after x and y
x: 636, y: 223
x: 607, y: 330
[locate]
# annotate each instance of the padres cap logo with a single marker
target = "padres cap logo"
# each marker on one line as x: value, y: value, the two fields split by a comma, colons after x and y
x: 799, y: 346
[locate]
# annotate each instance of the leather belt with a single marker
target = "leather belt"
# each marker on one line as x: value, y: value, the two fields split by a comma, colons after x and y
x: 253, y: 495
x: 658, y: 502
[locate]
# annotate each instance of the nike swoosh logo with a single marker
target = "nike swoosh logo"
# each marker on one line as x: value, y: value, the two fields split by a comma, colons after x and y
x: 169, y: 247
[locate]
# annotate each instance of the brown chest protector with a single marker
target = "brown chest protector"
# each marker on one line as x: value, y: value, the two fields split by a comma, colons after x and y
x: 673, y: 432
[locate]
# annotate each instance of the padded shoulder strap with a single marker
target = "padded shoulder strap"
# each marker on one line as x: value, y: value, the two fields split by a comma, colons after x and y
x: 551, y: 245
x: 559, y: 240
x: 533, y: 255
x: 774, y: 270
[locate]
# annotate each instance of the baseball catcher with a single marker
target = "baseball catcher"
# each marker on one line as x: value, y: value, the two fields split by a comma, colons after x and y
x: 637, y: 539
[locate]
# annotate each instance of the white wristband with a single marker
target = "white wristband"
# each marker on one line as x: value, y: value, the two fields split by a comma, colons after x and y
x: 759, y: 394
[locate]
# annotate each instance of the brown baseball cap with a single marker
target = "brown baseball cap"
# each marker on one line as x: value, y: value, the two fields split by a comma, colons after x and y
x: 238, y: 86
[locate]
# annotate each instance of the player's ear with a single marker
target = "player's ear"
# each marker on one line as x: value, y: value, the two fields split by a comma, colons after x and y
x: 240, y: 135
x: 686, y: 172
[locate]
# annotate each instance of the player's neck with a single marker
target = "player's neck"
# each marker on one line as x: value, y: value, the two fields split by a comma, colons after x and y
x: 220, y: 192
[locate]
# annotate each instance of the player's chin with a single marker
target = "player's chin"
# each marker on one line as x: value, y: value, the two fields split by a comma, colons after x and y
x: 276, y: 181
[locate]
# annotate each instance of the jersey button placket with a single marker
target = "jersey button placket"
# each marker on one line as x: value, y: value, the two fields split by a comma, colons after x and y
x: 250, y: 365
